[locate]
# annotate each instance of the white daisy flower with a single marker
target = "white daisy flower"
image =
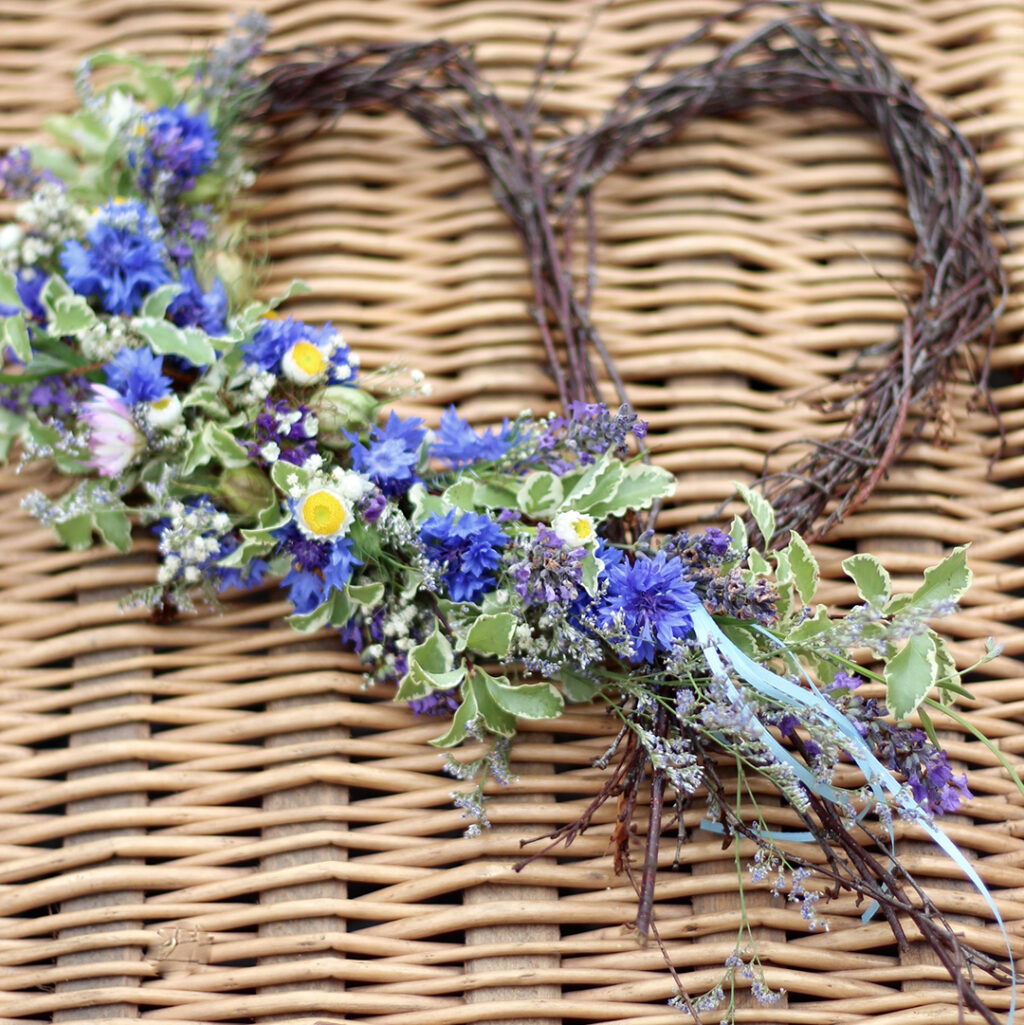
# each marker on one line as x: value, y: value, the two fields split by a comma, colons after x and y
x: 165, y: 413
x: 323, y: 513
x: 305, y: 363
x: 576, y: 529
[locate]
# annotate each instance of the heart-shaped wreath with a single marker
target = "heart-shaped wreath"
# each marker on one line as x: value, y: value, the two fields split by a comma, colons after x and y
x: 472, y: 568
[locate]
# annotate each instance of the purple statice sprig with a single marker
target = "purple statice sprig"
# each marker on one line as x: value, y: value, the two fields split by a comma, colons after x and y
x: 902, y: 748
x: 587, y: 432
x: 282, y: 431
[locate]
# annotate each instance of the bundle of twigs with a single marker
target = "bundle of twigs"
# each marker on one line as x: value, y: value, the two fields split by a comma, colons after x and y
x: 804, y: 58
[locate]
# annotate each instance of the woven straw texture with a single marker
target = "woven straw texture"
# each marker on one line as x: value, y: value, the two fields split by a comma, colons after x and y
x: 209, y: 822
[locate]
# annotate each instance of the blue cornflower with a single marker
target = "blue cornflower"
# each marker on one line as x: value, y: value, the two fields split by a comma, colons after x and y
x: 124, y: 259
x: 179, y: 147
x: 342, y: 563
x: 306, y: 589
x: 459, y: 445
x: 192, y: 307
x: 466, y: 546
x: 316, y: 568
x: 390, y: 458
x: 235, y: 578
x: 137, y: 375
x: 29, y: 284
x: 654, y: 600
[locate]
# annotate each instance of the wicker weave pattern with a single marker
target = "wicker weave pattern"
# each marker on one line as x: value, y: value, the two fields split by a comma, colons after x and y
x: 207, y: 822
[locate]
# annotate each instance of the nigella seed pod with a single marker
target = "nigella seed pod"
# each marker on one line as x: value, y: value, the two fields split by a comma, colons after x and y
x: 246, y: 490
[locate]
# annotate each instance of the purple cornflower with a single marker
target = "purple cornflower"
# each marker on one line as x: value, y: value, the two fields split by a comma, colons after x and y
x: 137, y: 375
x: 466, y: 546
x: 390, y: 458
x: 179, y: 147
x: 654, y: 602
x: 457, y: 444
x: 192, y: 307
x: 123, y: 261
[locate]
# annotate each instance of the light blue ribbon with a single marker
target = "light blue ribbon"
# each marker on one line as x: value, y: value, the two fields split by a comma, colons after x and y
x: 722, y: 654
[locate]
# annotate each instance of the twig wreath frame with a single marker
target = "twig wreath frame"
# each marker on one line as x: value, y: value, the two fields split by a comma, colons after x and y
x: 805, y: 58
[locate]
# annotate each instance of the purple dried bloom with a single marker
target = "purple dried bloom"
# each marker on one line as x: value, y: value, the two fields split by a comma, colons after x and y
x: 547, y: 570
x: 373, y: 507
x: 588, y: 432
x: 179, y: 147
x: 438, y: 702
x: 18, y: 178
x: 286, y: 427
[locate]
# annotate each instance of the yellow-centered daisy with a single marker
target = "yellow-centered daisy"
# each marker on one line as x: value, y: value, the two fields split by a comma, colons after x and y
x: 304, y: 363
x: 323, y: 514
x: 165, y: 413
x: 576, y: 529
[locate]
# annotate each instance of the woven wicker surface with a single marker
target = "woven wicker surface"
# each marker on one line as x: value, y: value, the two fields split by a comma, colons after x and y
x: 207, y: 822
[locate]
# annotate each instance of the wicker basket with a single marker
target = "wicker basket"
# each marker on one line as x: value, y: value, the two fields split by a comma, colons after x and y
x: 209, y: 822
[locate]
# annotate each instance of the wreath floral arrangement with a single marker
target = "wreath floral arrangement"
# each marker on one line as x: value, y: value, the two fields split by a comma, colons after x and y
x: 494, y: 574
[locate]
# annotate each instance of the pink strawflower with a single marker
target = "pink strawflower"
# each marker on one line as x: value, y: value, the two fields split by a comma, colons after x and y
x: 114, y: 440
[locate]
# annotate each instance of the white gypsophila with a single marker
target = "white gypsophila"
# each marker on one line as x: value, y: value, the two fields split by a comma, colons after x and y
x: 11, y: 238
x: 313, y: 462
x: 271, y: 451
x: 397, y: 624
x: 352, y: 485
x: 261, y: 385
x: 52, y: 218
x: 311, y: 425
x: 576, y: 529
x: 285, y: 420
x: 104, y: 339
